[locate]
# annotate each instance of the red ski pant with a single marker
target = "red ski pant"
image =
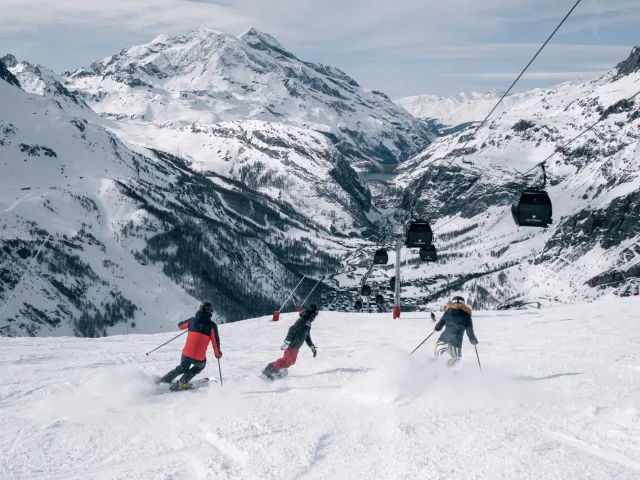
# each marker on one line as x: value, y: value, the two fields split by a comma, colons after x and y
x: 288, y: 359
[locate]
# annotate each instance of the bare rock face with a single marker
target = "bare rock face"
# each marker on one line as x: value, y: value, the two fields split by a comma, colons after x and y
x: 7, y: 76
x: 630, y: 65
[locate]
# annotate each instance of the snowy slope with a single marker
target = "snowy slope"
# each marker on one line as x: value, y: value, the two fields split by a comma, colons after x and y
x: 557, y: 400
x: 130, y: 233
x: 207, y: 77
x: 594, y: 184
x: 461, y: 109
x: 285, y: 163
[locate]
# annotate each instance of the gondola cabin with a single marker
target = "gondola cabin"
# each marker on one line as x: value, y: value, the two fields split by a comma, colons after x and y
x: 419, y: 234
x: 429, y: 254
x: 379, y: 299
x: 532, y: 209
x: 381, y: 257
x: 365, y: 291
x: 358, y: 305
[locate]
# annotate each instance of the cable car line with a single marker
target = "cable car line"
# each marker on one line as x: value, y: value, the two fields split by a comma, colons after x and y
x: 534, y: 202
x: 588, y: 129
x: 519, y: 77
x: 484, y: 122
x: 558, y: 149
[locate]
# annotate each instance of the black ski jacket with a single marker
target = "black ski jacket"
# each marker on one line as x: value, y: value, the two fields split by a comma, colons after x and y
x: 456, y: 319
x: 300, y: 331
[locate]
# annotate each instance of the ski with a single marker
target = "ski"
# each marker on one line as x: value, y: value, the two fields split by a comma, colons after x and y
x: 281, y: 374
x: 199, y: 383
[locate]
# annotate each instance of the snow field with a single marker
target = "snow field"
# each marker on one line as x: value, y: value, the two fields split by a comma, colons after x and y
x: 558, y: 399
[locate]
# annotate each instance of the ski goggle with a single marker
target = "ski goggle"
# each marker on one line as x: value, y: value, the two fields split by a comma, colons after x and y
x: 208, y: 308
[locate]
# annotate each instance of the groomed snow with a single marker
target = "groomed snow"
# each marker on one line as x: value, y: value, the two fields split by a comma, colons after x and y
x: 558, y: 400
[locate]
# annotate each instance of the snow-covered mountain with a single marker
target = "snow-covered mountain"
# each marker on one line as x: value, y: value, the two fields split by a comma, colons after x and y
x: 463, y: 109
x: 260, y: 200
x: 593, y: 244
x: 206, y: 77
x: 44, y: 82
x: 134, y: 238
x: 285, y: 163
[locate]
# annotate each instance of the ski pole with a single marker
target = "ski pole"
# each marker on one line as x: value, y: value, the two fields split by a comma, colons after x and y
x: 422, y: 342
x: 220, y: 370
x: 476, y: 347
x: 166, y: 342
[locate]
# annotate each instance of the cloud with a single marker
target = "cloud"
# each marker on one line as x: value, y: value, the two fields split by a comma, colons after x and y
x: 172, y: 16
x: 556, y: 76
x: 354, y: 25
x: 514, y: 51
x: 359, y: 36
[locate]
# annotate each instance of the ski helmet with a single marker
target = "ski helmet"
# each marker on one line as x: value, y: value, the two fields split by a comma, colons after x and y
x: 313, y: 307
x: 457, y: 298
x: 206, y: 306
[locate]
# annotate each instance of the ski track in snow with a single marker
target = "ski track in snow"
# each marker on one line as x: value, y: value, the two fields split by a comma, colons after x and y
x: 557, y: 400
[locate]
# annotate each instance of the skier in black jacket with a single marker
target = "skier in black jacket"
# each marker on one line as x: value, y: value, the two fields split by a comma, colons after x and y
x: 298, y: 334
x: 455, y: 321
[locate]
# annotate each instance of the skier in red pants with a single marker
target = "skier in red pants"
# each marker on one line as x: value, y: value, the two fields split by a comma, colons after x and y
x: 298, y: 334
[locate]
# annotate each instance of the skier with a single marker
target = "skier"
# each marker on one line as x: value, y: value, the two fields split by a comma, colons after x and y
x: 202, y: 330
x: 456, y: 319
x: 298, y: 333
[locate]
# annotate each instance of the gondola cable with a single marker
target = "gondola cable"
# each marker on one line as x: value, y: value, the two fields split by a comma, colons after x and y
x: 484, y: 122
x: 519, y: 77
x: 557, y: 150
x: 585, y: 131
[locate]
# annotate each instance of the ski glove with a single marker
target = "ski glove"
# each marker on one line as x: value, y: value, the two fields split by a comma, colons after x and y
x: 314, y: 350
x: 284, y: 346
x: 219, y: 356
x: 474, y: 341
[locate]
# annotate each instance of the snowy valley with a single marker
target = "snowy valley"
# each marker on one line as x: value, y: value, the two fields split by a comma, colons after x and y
x: 206, y: 166
x: 468, y: 182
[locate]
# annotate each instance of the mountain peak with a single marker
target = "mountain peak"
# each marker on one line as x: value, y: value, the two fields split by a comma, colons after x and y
x: 631, y: 64
x: 207, y: 32
x: 9, y: 60
x: 160, y: 39
x: 200, y: 34
x: 263, y: 41
x: 6, y: 75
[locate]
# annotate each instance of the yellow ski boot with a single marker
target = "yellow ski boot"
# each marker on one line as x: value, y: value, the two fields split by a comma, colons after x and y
x: 179, y: 386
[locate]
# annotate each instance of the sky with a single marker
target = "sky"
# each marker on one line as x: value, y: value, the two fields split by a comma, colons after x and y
x: 401, y: 47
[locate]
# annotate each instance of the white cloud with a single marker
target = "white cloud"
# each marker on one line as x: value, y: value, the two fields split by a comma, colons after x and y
x: 556, y: 76
x: 151, y: 16
x: 354, y: 25
x: 367, y: 36
x: 515, y: 51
